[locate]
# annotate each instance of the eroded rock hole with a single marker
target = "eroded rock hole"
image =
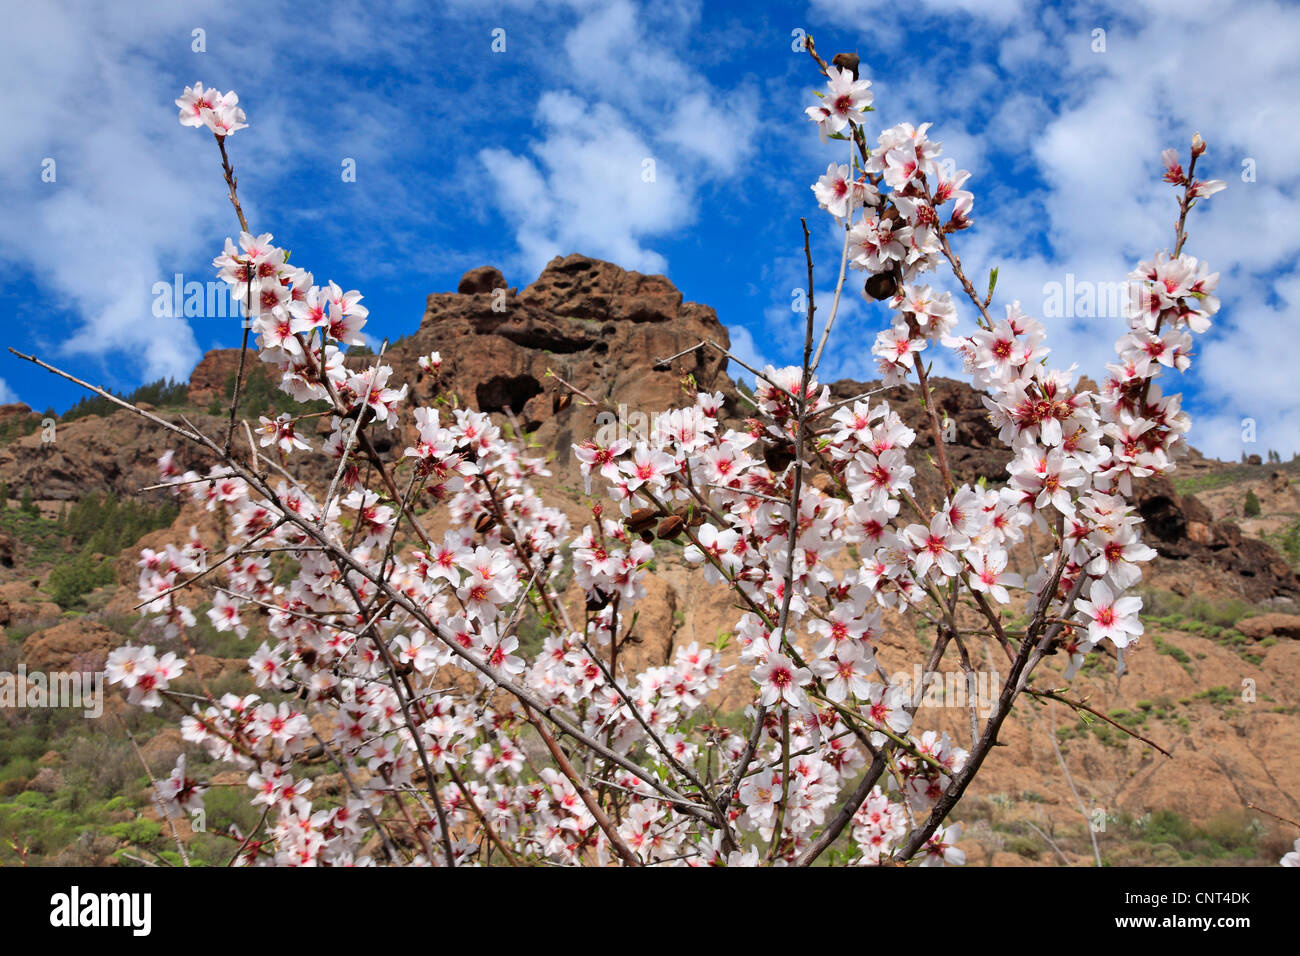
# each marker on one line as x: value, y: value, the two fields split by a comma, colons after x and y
x: 503, y: 392
x: 1163, y: 517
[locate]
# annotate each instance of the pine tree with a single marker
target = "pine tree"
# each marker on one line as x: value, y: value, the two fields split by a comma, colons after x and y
x: 1252, y: 504
x: 28, y: 502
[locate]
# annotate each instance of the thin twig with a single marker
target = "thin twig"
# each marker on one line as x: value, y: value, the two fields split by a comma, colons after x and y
x: 1069, y: 782
x: 1080, y: 705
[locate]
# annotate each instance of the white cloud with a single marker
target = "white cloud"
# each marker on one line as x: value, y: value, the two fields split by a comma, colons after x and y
x: 1248, y: 371
x: 717, y: 133
x: 585, y: 187
x: 122, y: 209
x: 1022, y: 48
x: 998, y: 11
x: 627, y: 137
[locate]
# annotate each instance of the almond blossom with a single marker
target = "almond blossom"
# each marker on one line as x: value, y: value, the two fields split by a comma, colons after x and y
x: 1110, y: 617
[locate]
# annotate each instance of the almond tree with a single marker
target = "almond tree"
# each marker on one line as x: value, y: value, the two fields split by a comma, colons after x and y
x: 395, y: 654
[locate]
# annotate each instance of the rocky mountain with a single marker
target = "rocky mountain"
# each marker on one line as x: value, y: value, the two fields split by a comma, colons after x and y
x: 1221, y: 596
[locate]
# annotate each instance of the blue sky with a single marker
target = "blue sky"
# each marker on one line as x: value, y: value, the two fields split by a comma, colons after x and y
x: 465, y: 156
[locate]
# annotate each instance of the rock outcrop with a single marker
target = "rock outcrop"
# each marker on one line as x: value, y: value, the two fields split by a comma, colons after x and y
x: 480, y: 280
x: 1181, y: 529
x: 209, y: 378
x: 118, y: 453
x: 69, y: 646
x: 1271, y: 625
x: 597, y: 326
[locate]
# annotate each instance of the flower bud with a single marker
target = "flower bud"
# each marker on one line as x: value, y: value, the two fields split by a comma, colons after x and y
x: 484, y: 523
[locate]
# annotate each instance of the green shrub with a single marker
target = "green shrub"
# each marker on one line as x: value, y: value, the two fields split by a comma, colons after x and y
x: 1219, y: 695
x: 1023, y: 846
x: 1228, y: 834
x: 101, y: 765
x: 139, y: 832
x: 1177, y: 653
x: 70, y: 579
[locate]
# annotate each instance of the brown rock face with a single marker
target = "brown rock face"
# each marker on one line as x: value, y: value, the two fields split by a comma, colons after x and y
x: 208, y: 380
x: 118, y: 453
x: 71, y: 645
x: 1271, y: 625
x: 12, y: 411
x: 481, y: 280
x: 599, y: 327
x: 582, y: 288
x: 1182, y: 529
